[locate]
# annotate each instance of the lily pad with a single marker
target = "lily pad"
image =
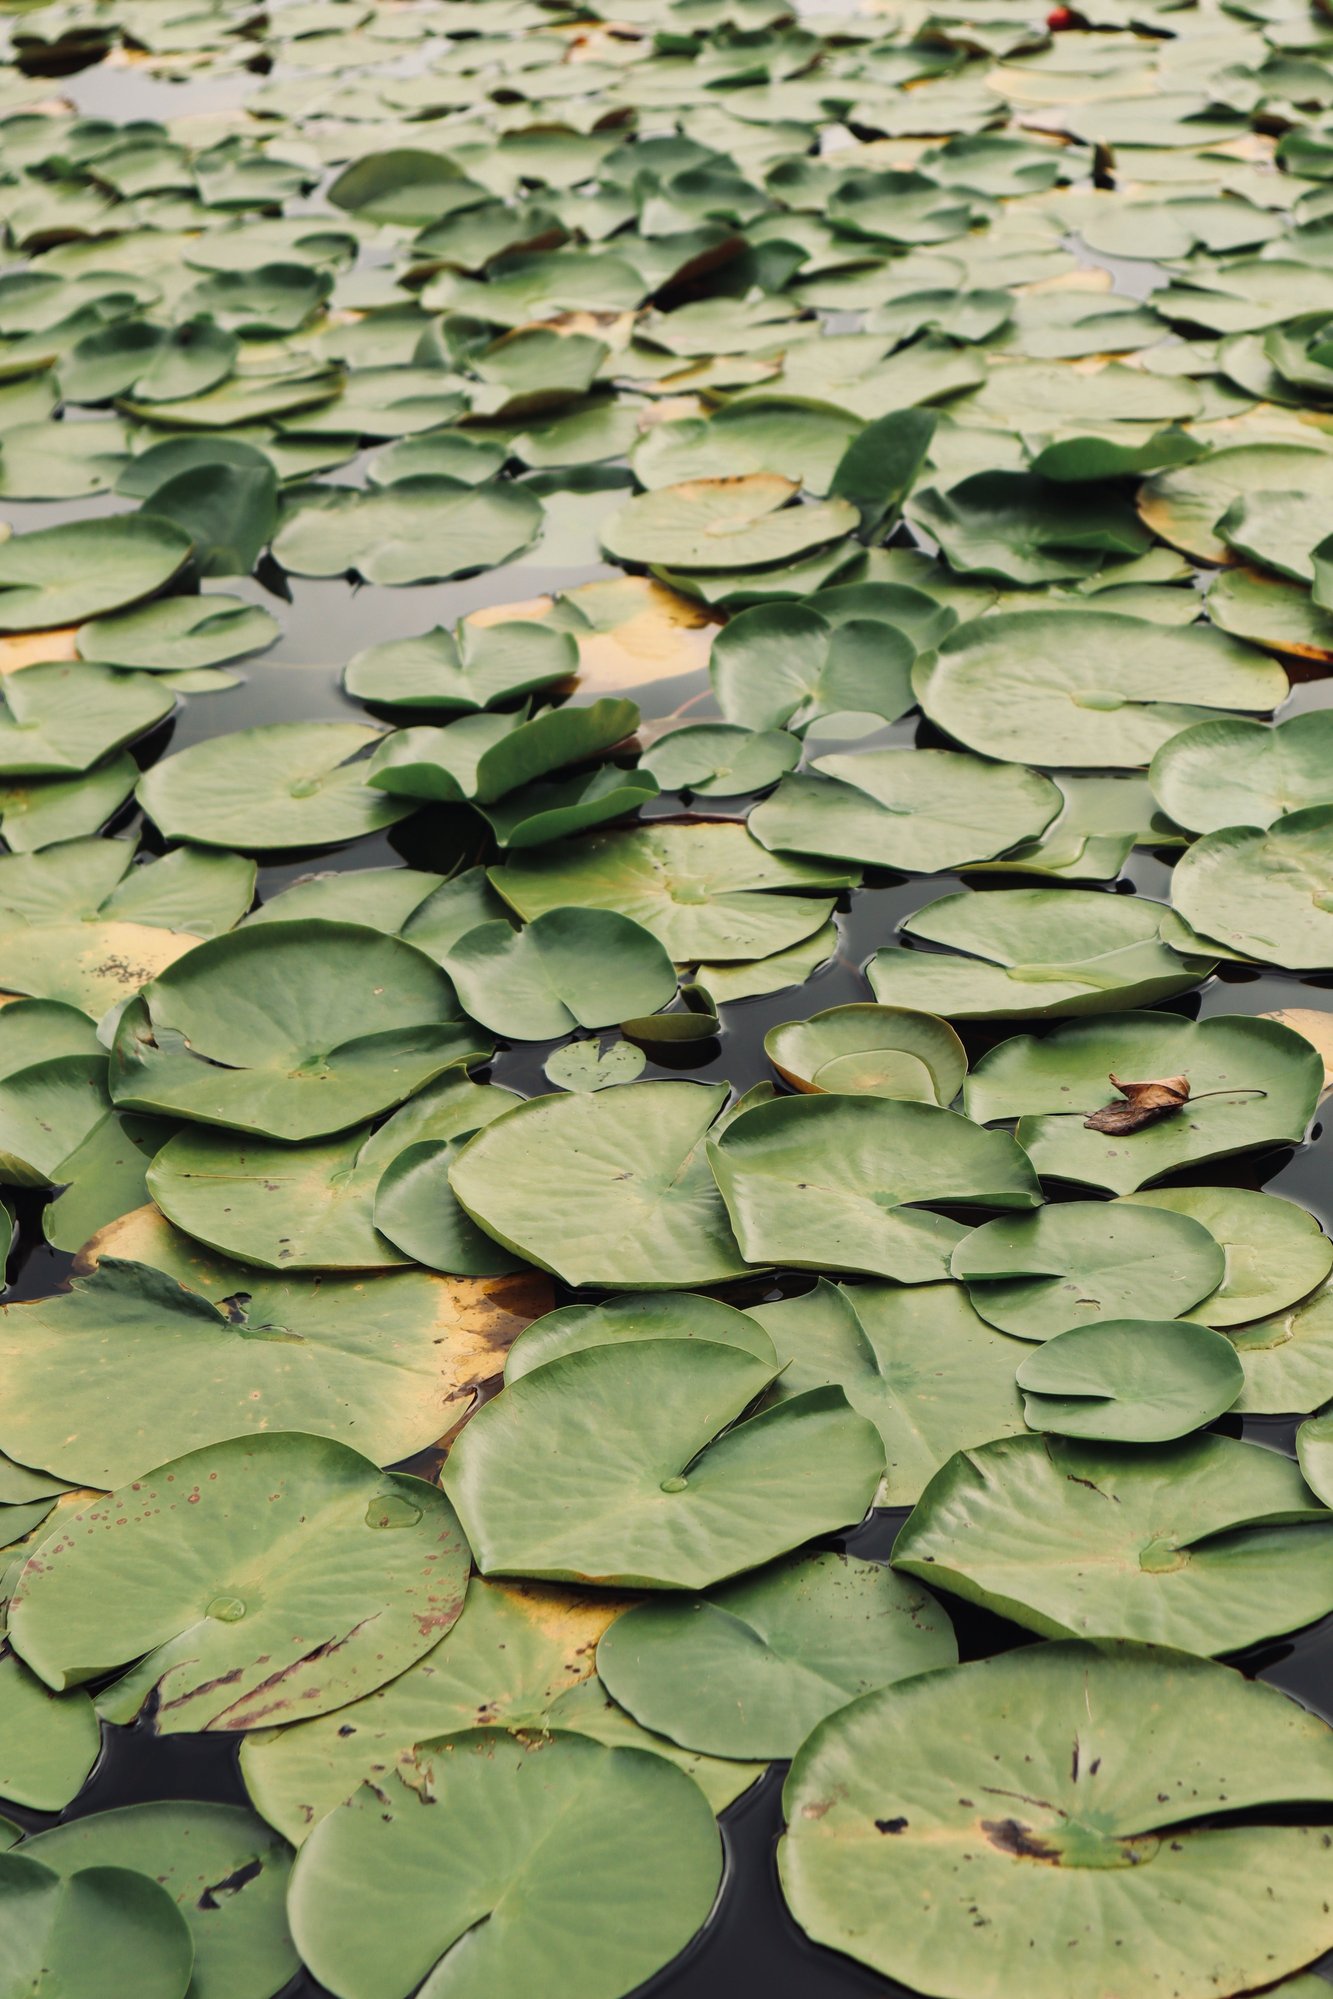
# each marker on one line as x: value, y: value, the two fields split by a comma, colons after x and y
x: 241, y: 1035
x: 922, y: 811
x: 915, y: 1815
x: 1238, y: 773
x: 729, y: 523
x: 275, y: 1590
x: 609, y: 1844
x: 718, y: 760
x: 286, y: 784
x: 628, y: 1465
x: 463, y: 673
x: 1314, y: 1448
x: 865, y: 1050
x: 750, y: 1669
x: 1251, y: 1083
x: 610, y: 1188
x: 586, y: 1065
x: 44, y: 810
x: 62, y: 717
x: 1267, y: 893
x: 704, y: 891
x: 485, y: 757
x: 1275, y: 1252
x: 48, y: 1742
x: 1087, y: 689
x: 1033, y: 951
x: 1288, y: 1357
x: 418, y: 530
x: 780, y: 665
x: 843, y: 1183
x: 83, y: 569
x: 1037, y: 1275
x: 1130, y: 1381
x: 567, y: 968
x: 1207, y: 1543
x: 102, y: 1924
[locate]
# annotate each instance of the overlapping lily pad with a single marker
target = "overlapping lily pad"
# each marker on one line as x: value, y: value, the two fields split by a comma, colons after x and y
x: 1130, y: 1381
x: 879, y: 1051
x: 1266, y: 894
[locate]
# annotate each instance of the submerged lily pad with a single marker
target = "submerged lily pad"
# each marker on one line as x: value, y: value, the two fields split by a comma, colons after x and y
x: 945, y: 1832
x: 264, y: 1585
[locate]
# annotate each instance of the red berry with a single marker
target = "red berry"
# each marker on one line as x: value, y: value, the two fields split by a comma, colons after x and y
x: 1059, y: 17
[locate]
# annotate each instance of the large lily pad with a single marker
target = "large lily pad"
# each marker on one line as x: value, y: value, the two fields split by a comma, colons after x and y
x: 738, y: 522
x: 103, y: 1924
x: 1033, y: 951
x: 1037, y: 1275
x: 287, y: 784
x: 1266, y: 893
x: 83, y: 569
x: 704, y: 891
x: 608, y: 1188
x: 241, y: 1035
x: 1031, y: 1819
x: 1252, y: 1082
x: 1207, y: 1544
x: 590, y: 1880
x: 63, y: 717
x: 1275, y: 1252
x: 1238, y: 773
x: 260, y: 1578
x: 844, y: 1183
x: 1087, y: 689
x: 417, y: 530
x: 750, y: 1669
x: 628, y: 1464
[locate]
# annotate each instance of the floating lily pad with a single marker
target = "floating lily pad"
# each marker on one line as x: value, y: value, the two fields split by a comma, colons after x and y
x: 48, y: 1742
x: 287, y: 784
x: 65, y: 716
x: 242, y: 1036
x: 671, y: 1491
x: 1207, y: 1544
x: 609, y: 1188
x: 485, y: 757
x: 923, y: 811
x: 863, y: 1050
x: 462, y: 674
x: 417, y: 530
x: 83, y: 569
x: 1265, y: 893
x: 1287, y: 1358
x: 1104, y: 691
x: 539, y: 813
x: 843, y: 1183
x: 915, y: 1816
x: 1130, y: 1381
x: 567, y: 968
x: 102, y: 1924
x: 299, y: 1577
x: 1238, y: 773
x: 1275, y: 1252
x: 645, y: 1827
x: 704, y: 891
x: 242, y: 1947
x: 717, y: 760
x: 1033, y: 951
x: 585, y: 1065
x: 780, y: 665
x: 1314, y: 1448
x: 52, y: 1089
x: 1037, y: 1275
x: 637, y: 1315
x: 729, y: 523
x: 1251, y: 1083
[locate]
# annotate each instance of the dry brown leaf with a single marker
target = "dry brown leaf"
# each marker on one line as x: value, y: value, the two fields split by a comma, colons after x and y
x: 1145, y: 1104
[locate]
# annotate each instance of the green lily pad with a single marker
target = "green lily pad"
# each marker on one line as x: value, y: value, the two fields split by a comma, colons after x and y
x: 1130, y: 1381
x: 705, y: 891
x: 780, y: 665
x: 462, y: 673
x: 102, y: 1924
x: 636, y: 1315
x: 1207, y: 1543
x: 242, y: 1947
x: 801, y: 441
x: 48, y: 1742
x: 1314, y: 1448
x: 44, y: 810
x: 922, y: 811
x: 1025, y: 529
x: 1035, y: 1276
x: 567, y: 968
x: 484, y: 757
x: 293, y: 1207
x: 286, y: 784
x: 1252, y: 1083
x: 278, y: 1592
x: 718, y: 760
x: 536, y: 814
x: 750, y: 1670
x: 1287, y: 1358
x: 610, y: 1188
x: 736, y: 522
x: 1087, y: 689
x: 240, y: 1034
x: 1238, y: 773
x: 1033, y: 951
x: 673, y: 1491
x: 416, y: 1211
x: 915, y: 1815
x: 585, y: 1065
x: 1184, y: 506
x: 869, y: 1050
x: 62, y: 461
x: 52, y: 1089
x: 1270, y: 612
x: 83, y: 569
x: 842, y: 1183
x: 1266, y: 892
x: 1275, y: 1252
x: 418, y: 530
x: 62, y: 717
x: 518, y: 1909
